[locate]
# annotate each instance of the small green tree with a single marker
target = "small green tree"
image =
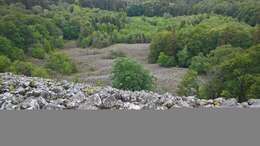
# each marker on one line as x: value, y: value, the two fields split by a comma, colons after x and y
x: 183, y: 58
x: 127, y: 74
x: 189, y: 85
x: 254, y: 90
x: 256, y: 35
x: 38, y: 53
x: 28, y: 69
x: 4, y: 63
x: 200, y: 64
x: 163, y: 42
x: 60, y: 63
x: 166, y: 61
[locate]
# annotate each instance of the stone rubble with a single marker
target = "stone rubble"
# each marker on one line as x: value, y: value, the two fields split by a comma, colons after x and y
x: 30, y: 93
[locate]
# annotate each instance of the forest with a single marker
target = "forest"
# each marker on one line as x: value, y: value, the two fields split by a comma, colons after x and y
x: 217, y: 41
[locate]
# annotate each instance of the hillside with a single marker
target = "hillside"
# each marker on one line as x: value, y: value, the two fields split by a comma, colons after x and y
x: 202, y: 48
x: 27, y: 93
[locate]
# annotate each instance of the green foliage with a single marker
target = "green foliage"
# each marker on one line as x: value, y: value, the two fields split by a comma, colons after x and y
x: 7, y: 49
x: 213, y: 32
x: 38, y: 53
x: 71, y: 29
x: 247, y: 11
x: 230, y: 72
x: 240, y: 72
x: 166, y: 61
x: 28, y: 69
x: 4, y: 63
x: 200, y: 64
x: 135, y: 10
x: 100, y: 40
x: 163, y: 42
x: 217, y: 47
x: 60, y: 63
x: 200, y: 34
x: 189, y: 85
x: 129, y: 75
x: 24, y: 29
x: 114, y: 5
x: 256, y: 35
x: 254, y: 90
x: 5, y: 46
x: 183, y: 58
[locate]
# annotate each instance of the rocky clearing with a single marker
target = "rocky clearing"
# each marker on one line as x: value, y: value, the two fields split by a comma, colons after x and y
x: 94, y: 65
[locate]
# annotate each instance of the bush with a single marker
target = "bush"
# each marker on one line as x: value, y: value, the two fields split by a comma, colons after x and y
x: 166, y: 61
x: 5, y: 46
x: 85, y: 42
x: 135, y: 10
x: 183, y: 58
x: 7, y: 49
x: 97, y: 40
x: 240, y: 72
x: 129, y: 75
x: 38, y: 53
x: 200, y: 64
x: 28, y: 69
x: 16, y: 54
x: 189, y: 85
x: 4, y: 63
x: 163, y: 42
x: 39, y: 72
x: 254, y: 90
x: 60, y: 63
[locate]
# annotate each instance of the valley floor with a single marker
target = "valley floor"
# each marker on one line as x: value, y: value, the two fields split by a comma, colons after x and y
x: 94, y: 65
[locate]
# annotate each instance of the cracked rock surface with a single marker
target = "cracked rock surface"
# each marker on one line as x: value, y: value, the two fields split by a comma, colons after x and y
x: 30, y: 93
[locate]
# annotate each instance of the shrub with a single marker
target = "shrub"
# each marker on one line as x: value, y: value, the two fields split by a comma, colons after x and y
x: 240, y: 72
x: 189, y: 85
x: 135, y: 10
x: 7, y: 49
x: 39, y: 72
x: 16, y: 54
x: 4, y: 63
x: 127, y: 74
x: 183, y: 58
x: 162, y: 42
x: 60, y: 63
x: 28, y: 69
x: 256, y: 35
x: 47, y: 47
x: 200, y: 64
x: 100, y: 39
x: 85, y: 42
x: 254, y: 90
x: 233, y: 73
x: 5, y: 46
x: 166, y: 61
x: 38, y: 53
x: 19, y: 67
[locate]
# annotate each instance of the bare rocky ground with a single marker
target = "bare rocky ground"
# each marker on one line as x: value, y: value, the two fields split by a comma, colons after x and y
x: 94, y: 65
x: 28, y: 93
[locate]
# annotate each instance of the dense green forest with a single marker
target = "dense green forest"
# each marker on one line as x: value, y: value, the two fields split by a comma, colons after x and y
x: 218, y: 40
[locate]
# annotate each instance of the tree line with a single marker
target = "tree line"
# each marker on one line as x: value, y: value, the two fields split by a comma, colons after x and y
x: 248, y: 11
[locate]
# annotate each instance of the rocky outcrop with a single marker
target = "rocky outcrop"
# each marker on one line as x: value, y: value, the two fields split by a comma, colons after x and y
x: 27, y: 93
